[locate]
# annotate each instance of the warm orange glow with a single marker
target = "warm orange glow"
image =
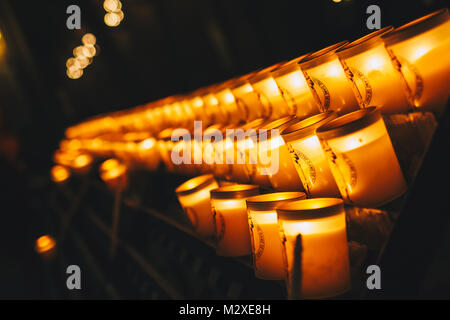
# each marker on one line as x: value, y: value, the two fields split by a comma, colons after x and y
x: 325, y: 270
x: 89, y: 39
x: 109, y: 164
x: 112, y: 19
x: 60, y: 173
x: 81, y: 161
x: 44, y: 244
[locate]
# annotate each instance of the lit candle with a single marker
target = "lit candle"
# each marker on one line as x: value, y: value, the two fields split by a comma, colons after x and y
x: 116, y: 177
x: 148, y: 153
x: 325, y: 270
x: 231, y: 219
x: 274, y: 159
x: 309, y: 159
x: 228, y: 103
x: 422, y: 48
x: 263, y: 82
x: 210, y: 135
x: 376, y: 81
x: 325, y: 75
x: 194, y: 197
x: 362, y: 159
x: 221, y: 168
x: 248, y: 100
x: 165, y: 145
x: 238, y: 155
x: 296, y: 91
x: 266, y: 245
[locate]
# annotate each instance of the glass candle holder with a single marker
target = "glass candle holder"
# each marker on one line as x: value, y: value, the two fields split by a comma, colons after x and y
x: 362, y: 158
x: 210, y: 135
x: 228, y: 103
x: 295, y: 90
x: 165, y: 146
x: 221, y: 168
x: 238, y: 157
x: 274, y: 157
x: 420, y: 50
x: 148, y: 153
x: 249, y: 101
x: 324, y: 270
x: 269, y: 93
x: 218, y: 114
x: 115, y: 178
x: 231, y: 219
x: 375, y: 80
x: 326, y: 77
x: 308, y: 156
x: 266, y: 244
x: 194, y: 197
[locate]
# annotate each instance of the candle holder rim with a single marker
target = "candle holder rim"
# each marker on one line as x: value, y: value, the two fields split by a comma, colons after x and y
x: 236, y: 191
x: 299, y: 210
x: 308, y: 126
x: 254, y: 124
x: 349, y: 123
x: 321, y: 56
x: 417, y: 26
x: 288, y: 66
x: 199, y: 183
x: 364, y: 43
x: 264, y: 73
x: 271, y: 201
x: 279, y: 123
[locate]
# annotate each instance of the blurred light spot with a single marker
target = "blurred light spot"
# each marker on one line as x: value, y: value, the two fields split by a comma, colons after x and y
x: 88, y: 39
x: 45, y: 244
x: 59, y: 173
x: 112, y: 19
x: 112, y: 5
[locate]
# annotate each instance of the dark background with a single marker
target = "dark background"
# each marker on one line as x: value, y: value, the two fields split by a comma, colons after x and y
x: 162, y: 47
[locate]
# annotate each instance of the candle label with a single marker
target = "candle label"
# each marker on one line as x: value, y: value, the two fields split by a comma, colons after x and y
x: 243, y: 108
x: 411, y: 72
x: 258, y: 247
x: 322, y: 95
x: 219, y: 224
x: 290, y: 100
x: 360, y: 81
x: 267, y: 105
x: 344, y: 171
x: 192, y: 215
x: 303, y: 163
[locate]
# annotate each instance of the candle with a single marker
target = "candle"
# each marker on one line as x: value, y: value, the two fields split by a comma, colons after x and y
x: 165, y: 145
x: 218, y: 114
x: 228, y: 103
x: 296, y: 91
x: 421, y: 50
x: 274, y: 159
x: 238, y: 155
x: 248, y: 100
x: 194, y: 197
x: 325, y: 270
x: 263, y: 82
x: 231, y: 219
x: 148, y: 153
x: 376, y: 81
x: 362, y: 159
x: 309, y: 159
x: 116, y: 177
x: 266, y: 245
x: 210, y: 135
x: 325, y: 75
